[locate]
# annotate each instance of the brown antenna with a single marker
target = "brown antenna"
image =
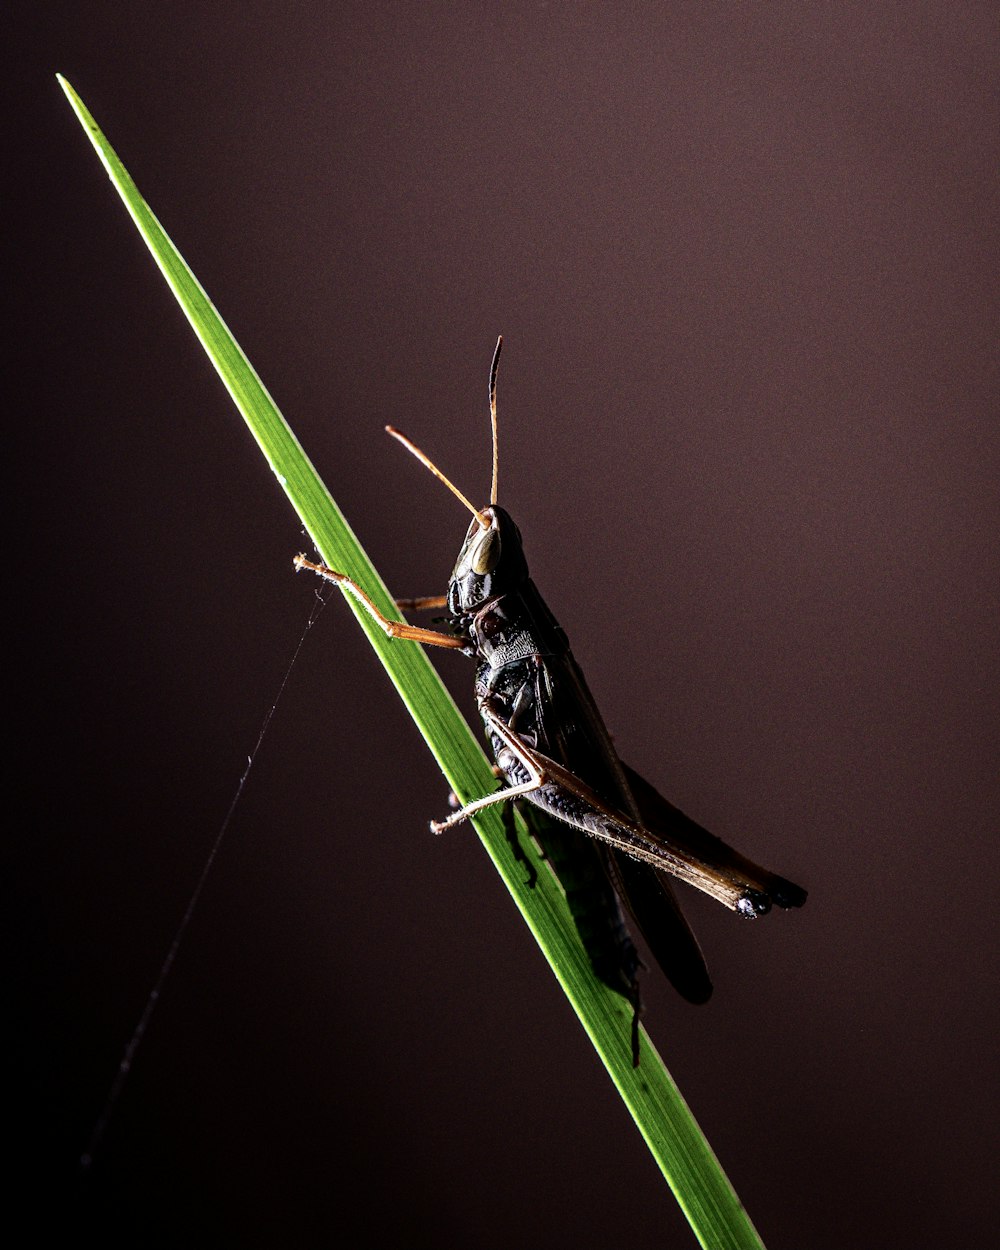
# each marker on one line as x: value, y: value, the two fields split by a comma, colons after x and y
x: 429, y: 464
x: 493, y: 417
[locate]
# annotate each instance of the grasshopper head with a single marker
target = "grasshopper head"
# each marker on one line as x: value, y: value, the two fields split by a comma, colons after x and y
x: 491, y: 561
x: 490, y: 564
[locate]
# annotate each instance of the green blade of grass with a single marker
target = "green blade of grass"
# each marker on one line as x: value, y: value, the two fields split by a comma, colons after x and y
x: 671, y: 1132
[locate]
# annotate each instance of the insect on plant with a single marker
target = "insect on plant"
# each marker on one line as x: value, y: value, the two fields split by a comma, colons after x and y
x: 556, y: 763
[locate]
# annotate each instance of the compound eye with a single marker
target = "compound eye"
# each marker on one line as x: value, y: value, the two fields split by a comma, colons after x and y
x: 487, y: 553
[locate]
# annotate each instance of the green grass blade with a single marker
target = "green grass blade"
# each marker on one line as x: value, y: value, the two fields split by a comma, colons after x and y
x: 677, y: 1143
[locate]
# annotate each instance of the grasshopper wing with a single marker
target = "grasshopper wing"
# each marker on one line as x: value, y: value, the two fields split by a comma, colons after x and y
x: 657, y: 915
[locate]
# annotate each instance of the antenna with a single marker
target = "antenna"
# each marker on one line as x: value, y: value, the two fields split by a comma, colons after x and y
x: 429, y: 464
x: 493, y: 417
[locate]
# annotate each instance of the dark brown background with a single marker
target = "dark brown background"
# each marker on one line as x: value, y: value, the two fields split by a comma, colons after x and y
x: 743, y: 258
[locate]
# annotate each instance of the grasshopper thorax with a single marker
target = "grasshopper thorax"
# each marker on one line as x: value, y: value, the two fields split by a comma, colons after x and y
x: 490, y: 564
